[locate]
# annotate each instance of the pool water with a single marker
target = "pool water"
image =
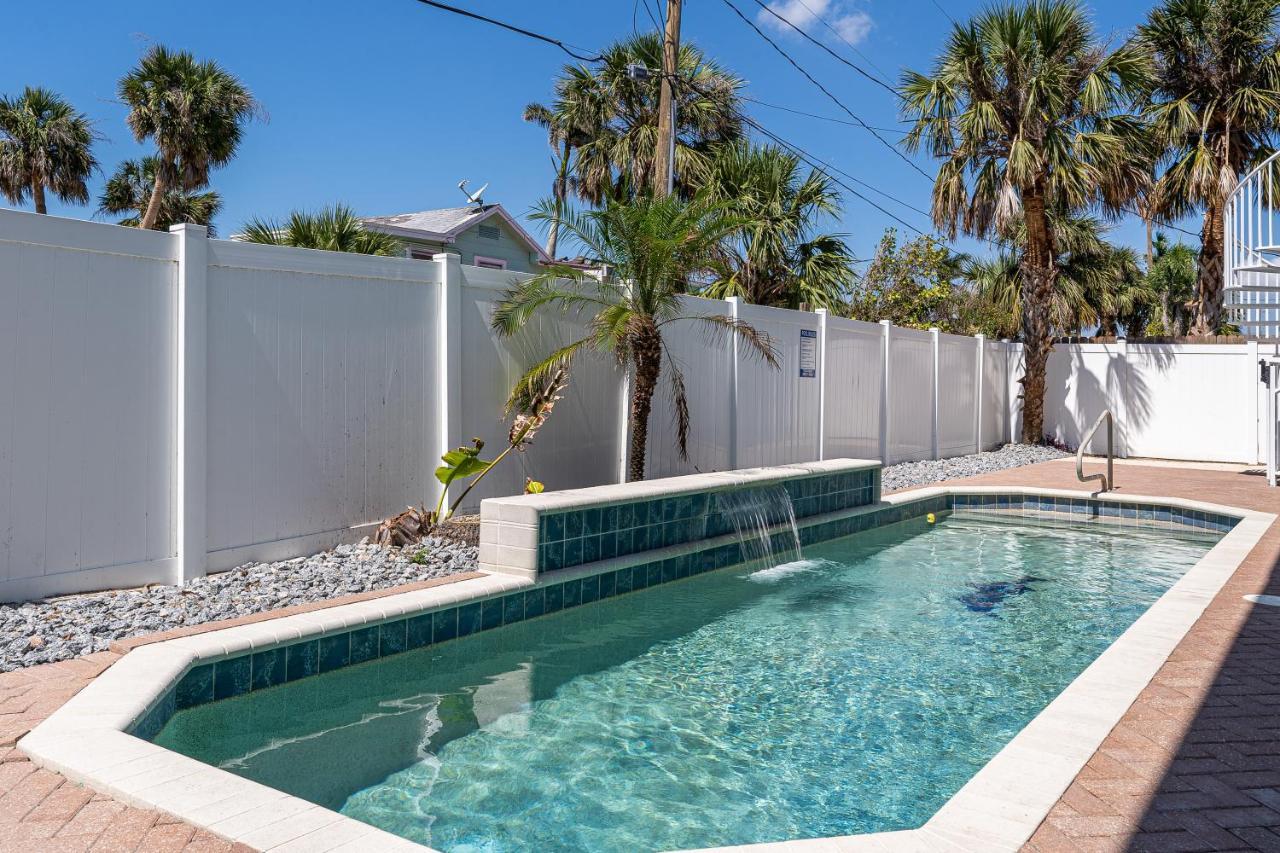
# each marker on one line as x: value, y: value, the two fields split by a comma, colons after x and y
x: 854, y: 691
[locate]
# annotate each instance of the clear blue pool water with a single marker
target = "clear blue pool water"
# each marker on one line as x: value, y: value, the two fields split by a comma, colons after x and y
x: 852, y: 692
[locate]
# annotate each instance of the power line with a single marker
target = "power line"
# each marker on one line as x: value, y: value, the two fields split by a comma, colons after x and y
x: 944, y: 12
x: 882, y: 84
x: 817, y: 116
x: 817, y: 164
x: 827, y: 166
x: 513, y: 28
x: 824, y: 89
x: 840, y: 36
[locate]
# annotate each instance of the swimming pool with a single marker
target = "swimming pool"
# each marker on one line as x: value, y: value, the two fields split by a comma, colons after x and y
x: 852, y: 692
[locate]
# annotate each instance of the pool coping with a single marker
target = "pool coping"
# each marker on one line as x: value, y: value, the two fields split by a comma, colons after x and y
x: 999, y: 808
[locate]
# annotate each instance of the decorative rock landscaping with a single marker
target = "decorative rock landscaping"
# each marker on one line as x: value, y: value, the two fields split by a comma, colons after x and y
x: 76, y: 625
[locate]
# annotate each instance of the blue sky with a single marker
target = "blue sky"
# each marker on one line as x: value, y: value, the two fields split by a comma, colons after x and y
x: 387, y: 104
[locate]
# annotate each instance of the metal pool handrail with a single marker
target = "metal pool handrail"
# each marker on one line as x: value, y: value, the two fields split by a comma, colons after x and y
x: 1108, y: 479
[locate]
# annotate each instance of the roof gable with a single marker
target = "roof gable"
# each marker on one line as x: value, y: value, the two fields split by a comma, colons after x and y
x: 445, y: 224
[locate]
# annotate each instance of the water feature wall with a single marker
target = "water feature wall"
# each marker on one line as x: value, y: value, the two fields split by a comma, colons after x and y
x: 530, y: 535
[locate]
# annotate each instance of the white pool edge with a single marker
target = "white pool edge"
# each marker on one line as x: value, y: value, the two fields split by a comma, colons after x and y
x: 998, y: 809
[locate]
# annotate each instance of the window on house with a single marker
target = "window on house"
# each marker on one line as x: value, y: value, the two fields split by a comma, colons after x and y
x: 490, y: 263
x: 489, y: 232
x: 420, y: 254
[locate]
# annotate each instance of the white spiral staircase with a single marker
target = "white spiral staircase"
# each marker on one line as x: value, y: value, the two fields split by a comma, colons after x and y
x: 1252, y: 253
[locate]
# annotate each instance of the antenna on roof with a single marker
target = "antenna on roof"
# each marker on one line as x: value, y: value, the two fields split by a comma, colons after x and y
x: 475, y: 197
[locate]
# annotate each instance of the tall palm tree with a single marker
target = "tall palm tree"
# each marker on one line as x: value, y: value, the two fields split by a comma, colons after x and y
x: 776, y: 258
x: 619, y: 115
x: 129, y: 189
x: 570, y: 122
x: 44, y: 147
x: 334, y: 229
x: 1026, y: 109
x: 194, y: 111
x: 655, y: 246
x: 1214, y: 105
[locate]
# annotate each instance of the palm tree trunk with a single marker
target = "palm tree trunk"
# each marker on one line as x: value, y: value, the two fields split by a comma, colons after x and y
x: 648, y: 356
x: 161, y: 186
x: 1039, y: 273
x: 1208, y: 315
x: 37, y: 195
x: 562, y: 191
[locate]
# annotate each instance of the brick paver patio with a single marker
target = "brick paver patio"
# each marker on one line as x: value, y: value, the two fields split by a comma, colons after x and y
x: 1193, y: 766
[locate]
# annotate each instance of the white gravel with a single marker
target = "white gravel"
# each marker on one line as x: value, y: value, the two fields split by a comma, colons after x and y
x: 906, y: 474
x: 69, y: 626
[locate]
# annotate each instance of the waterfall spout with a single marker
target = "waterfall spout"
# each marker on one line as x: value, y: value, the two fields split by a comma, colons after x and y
x: 753, y: 512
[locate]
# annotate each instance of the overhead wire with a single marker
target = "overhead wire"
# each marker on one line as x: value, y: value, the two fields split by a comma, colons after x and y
x: 824, y: 89
x: 881, y: 83
x: 513, y: 28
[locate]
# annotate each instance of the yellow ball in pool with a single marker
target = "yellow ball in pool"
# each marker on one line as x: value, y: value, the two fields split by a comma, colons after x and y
x: 931, y: 518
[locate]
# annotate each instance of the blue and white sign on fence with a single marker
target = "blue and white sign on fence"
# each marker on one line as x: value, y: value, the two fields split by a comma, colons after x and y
x: 808, y: 353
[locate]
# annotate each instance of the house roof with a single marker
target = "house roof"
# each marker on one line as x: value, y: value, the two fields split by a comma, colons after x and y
x: 446, y: 223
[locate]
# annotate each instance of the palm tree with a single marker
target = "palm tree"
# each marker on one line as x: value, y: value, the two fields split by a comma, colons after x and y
x: 1025, y: 108
x: 570, y: 122
x: 1213, y: 108
x: 129, y: 191
x: 776, y: 258
x: 618, y: 113
x: 195, y: 111
x: 44, y: 147
x: 656, y: 246
x: 1096, y: 283
x: 334, y: 229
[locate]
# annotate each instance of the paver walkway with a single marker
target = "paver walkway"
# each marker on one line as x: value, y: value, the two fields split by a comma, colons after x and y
x: 1195, y: 763
x: 42, y: 811
x: 1193, y: 766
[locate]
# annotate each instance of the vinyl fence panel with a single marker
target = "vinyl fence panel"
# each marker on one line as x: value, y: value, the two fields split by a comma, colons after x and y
x: 957, y: 395
x: 321, y: 404
x: 911, y: 395
x: 704, y: 358
x: 579, y: 445
x: 86, y: 405
x: 777, y: 412
x: 854, y: 397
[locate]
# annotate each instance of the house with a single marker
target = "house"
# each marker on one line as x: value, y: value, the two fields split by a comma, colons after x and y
x: 484, y: 235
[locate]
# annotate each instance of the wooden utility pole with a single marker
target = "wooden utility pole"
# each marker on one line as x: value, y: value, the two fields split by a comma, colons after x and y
x: 664, y: 157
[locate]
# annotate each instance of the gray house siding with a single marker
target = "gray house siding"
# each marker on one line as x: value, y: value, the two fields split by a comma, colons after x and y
x: 507, y: 247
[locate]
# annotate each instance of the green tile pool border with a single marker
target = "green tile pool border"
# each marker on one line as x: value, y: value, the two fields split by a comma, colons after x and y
x: 270, y: 667
x: 582, y: 535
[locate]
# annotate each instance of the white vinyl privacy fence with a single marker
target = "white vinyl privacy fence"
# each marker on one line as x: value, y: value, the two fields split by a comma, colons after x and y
x: 171, y: 405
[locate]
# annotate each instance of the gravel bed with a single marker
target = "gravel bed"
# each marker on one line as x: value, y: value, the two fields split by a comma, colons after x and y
x: 69, y: 626
x: 73, y: 625
x: 907, y: 474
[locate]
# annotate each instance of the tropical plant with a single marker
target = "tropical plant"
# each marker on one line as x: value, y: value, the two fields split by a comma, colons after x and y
x: 1026, y: 109
x: 1172, y: 279
x: 334, y: 229
x: 656, y: 246
x: 776, y: 258
x: 912, y: 285
x: 194, y: 111
x: 44, y: 148
x: 533, y: 403
x: 616, y: 114
x: 129, y: 189
x: 1213, y: 105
